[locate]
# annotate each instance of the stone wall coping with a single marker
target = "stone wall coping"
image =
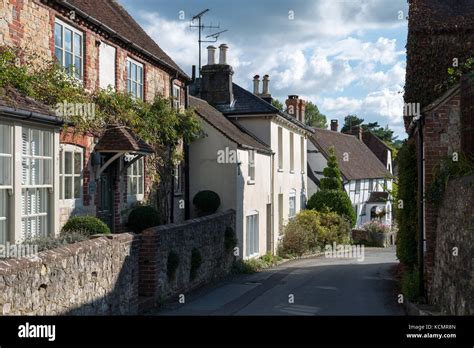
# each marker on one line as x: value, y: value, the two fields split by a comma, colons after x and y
x: 8, y: 266
x: 182, y: 225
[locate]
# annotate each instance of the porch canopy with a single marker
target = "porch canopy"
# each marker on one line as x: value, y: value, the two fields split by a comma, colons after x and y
x: 121, y: 141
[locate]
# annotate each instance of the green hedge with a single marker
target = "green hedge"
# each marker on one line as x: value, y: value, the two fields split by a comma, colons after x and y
x: 88, y: 225
x: 143, y: 217
x: 334, y: 200
x: 206, y: 202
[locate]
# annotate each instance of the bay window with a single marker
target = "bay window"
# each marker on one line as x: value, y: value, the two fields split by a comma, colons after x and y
x: 6, y: 184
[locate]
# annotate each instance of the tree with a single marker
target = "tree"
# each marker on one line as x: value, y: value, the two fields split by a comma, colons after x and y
x: 332, y: 195
x: 278, y: 104
x: 351, y: 121
x: 313, y: 117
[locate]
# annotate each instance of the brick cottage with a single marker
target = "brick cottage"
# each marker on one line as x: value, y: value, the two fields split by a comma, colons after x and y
x: 56, y: 173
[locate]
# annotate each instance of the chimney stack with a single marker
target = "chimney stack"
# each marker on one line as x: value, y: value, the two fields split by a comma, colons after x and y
x: 223, y: 54
x: 256, y: 85
x: 211, y: 55
x: 266, y: 81
x: 357, y: 131
x: 296, y: 107
x: 334, y: 125
x: 216, y: 81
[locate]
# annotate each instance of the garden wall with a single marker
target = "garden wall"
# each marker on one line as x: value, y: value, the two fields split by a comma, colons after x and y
x: 205, y: 234
x: 94, y: 277
x: 453, y: 278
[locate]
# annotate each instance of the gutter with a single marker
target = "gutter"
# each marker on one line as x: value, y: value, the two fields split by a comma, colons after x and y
x: 30, y: 115
x: 114, y: 34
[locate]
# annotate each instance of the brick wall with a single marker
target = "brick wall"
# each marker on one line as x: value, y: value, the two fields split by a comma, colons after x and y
x: 453, y: 278
x: 94, y: 277
x: 441, y: 133
x: 467, y: 114
x: 205, y: 234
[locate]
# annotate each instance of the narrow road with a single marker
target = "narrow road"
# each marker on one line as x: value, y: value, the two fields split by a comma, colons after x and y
x: 313, y: 286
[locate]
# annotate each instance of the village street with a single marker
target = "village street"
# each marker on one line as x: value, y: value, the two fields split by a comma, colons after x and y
x: 320, y: 286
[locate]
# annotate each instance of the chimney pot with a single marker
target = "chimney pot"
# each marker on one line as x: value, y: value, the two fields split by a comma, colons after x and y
x: 256, y: 84
x: 334, y: 125
x: 266, y: 80
x: 211, y: 55
x: 223, y: 54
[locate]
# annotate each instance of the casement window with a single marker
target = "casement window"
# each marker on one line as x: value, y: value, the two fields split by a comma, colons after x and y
x: 251, y: 165
x: 302, y: 153
x: 176, y: 97
x: 292, y: 153
x: 178, y: 179
x: 371, y: 185
x: 357, y: 187
x: 135, y: 78
x: 6, y: 182
x: 36, y: 181
x: 68, y: 48
x: 252, y: 234
x: 71, y: 162
x: 280, y: 148
x: 135, y: 182
x: 292, y: 204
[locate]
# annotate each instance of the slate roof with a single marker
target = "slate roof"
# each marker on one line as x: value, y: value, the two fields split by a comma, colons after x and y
x: 114, y: 16
x: 441, y: 15
x: 121, y: 139
x: 245, y: 102
x: 378, y: 197
x: 378, y: 147
x: 13, y: 101
x: 229, y: 129
x: 362, y: 163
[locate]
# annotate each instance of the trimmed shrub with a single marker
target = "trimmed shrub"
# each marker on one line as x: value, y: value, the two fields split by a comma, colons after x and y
x: 196, y: 261
x: 206, y: 202
x: 51, y: 242
x: 172, y: 264
x: 88, y: 225
x: 376, y: 226
x: 333, y: 200
x: 410, y: 284
x: 311, y: 230
x: 143, y: 217
x: 230, y: 239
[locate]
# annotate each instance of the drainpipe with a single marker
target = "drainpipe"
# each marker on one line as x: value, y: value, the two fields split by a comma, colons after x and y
x: 187, y: 209
x: 421, y: 215
x: 172, y: 79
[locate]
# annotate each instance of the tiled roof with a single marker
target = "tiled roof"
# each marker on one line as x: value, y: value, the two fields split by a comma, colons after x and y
x: 121, y: 139
x: 378, y: 197
x: 14, y: 100
x: 439, y: 15
x: 361, y: 164
x: 378, y: 147
x: 246, y: 102
x: 229, y: 129
x: 114, y: 16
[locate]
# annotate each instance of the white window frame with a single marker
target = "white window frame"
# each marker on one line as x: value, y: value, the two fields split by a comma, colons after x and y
x: 74, y: 49
x: 62, y: 175
x: 178, y: 179
x: 252, y: 234
x: 280, y: 148
x: 292, y: 211
x: 131, y: 82
x: 133, y: 173
x: 292, y: 152
x: 6, y: 188
x: 177, y: 97
x: 251, y: 166
x: 303, y: 152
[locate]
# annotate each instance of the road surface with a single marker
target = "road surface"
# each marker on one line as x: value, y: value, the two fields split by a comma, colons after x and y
x: 312, y: 286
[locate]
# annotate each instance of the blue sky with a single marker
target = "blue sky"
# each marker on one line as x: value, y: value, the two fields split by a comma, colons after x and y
x: 346, y: 56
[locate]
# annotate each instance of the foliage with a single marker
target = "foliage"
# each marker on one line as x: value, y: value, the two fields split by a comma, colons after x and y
x: 86, y: 224
x: 383, y: 133
x: 156, y: 122
x: 230, y: 239
x: 455, y: 74
x: 406, y: 205
x: 313, y: 117
x: 172, y: 264
x: 351, y: 121
x: 311, y: 230
x: 410, y: 284
x: 206, y: 202
x: 331, y: 195
x: 52, y: 242
x: 143, y: 217
x: 376, y: 226
x: 196, y: 261
x: 278, y: 104
x: 446, y: 170
x: 251, y: 266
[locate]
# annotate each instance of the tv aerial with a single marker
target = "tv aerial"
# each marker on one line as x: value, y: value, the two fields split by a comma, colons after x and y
x: 211, y: 38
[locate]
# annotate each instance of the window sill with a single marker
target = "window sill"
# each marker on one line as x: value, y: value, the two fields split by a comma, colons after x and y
x: 250, y: 182
x: 292, y: 172
x: 279, y: 170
